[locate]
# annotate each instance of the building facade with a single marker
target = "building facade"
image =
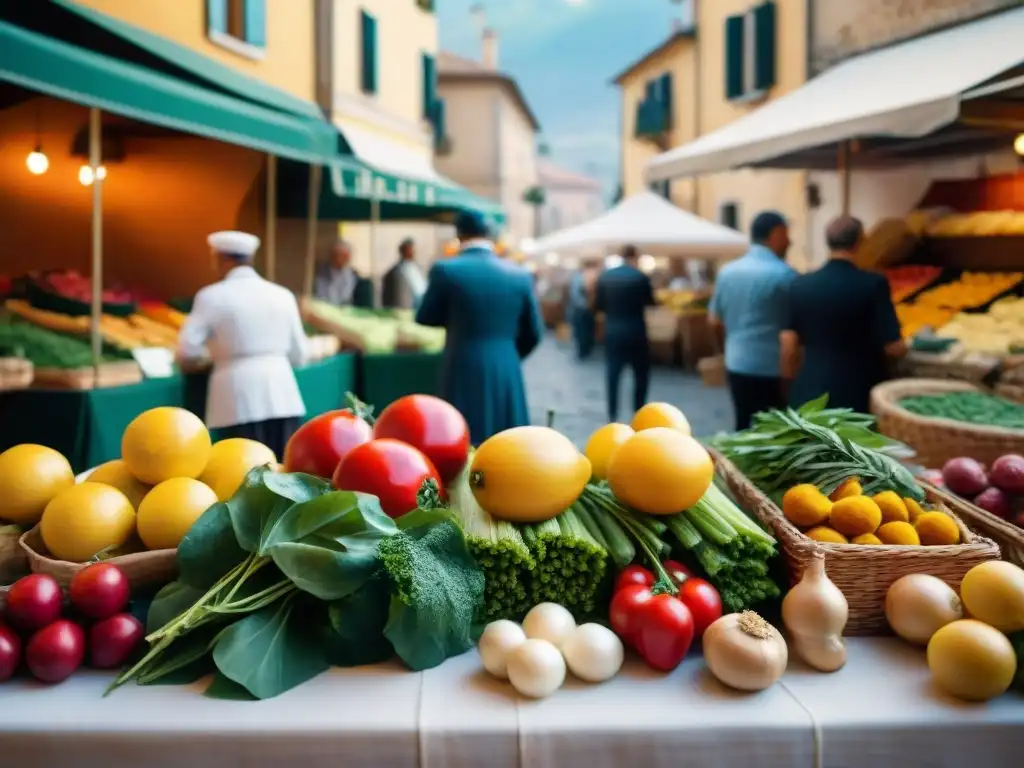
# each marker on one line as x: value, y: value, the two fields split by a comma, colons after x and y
x: 490, y: 136
x: 569, y: 198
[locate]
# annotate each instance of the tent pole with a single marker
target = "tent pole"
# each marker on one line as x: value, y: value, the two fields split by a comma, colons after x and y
x: 95, y: 161
x: 844, y: 177
x: 374, y: 223
x: 270, y: 235
x: 313, y: 214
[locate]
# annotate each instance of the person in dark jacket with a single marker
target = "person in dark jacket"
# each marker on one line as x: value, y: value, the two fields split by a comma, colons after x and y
x: 843, y: 331
x: 489, y: 309
x: 404, y: 284
x: 623, y: 295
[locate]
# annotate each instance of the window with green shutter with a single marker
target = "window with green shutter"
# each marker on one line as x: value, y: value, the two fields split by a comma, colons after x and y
x: 240, y: 25
x: 369, y: 53
x: 429, y: 84
x: 217, y: 17
x: 735, y: 29
x: 438, y: 121
x: 764, y: 46
x: 254, y: 22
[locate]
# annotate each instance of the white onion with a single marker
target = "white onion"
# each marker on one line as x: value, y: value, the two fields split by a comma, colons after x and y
x: 918, y: 605
x: 593, y: 653
x: 549, y: 621
x: 499, y: 638
x: 536, y: 668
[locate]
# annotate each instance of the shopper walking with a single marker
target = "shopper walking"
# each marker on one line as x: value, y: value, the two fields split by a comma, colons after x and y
x: 489, y: 309
x: 843, y: 333
x: 251, y: 331
x: 581, y: 313
x: 750, y: 306
x: 623, y: 295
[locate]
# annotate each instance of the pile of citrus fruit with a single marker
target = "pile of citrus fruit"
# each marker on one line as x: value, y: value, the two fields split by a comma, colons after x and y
x: 169, y: 473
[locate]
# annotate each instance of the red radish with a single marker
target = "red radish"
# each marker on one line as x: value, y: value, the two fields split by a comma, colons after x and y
x: 1008, y: 473
x: 33, y: 602
x: 99, y: 590
x: 112, y: 641
x: 10, y: 652
x: 965, y: 476
x: 933, y: 476
x: 995, y: 501
x: 56, y: 651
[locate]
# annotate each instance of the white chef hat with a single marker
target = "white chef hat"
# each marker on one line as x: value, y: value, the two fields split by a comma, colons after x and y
x: 241, y: 245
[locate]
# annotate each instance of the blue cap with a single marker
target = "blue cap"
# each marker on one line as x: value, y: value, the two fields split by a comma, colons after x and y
x: 470, y: 224
x: 764, y: 224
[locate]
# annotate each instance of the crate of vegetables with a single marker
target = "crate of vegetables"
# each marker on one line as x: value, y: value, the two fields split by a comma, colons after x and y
x: 942, y: 420
x: 829, y: 486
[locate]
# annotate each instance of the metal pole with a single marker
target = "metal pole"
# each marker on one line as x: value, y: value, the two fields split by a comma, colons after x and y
x: 844, y: 177
x: 270, y: 249
x: 95, y: 161
x: 313, y: 220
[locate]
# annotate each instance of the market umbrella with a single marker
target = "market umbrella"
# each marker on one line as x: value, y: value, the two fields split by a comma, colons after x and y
x: 652, y: 224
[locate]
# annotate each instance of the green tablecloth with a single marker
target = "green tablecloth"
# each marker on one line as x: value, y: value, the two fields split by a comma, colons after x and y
x: 86, y: 426
x: 385, y: 378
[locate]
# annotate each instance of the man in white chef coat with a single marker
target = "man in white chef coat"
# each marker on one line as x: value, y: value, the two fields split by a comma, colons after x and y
x: 251, y: 330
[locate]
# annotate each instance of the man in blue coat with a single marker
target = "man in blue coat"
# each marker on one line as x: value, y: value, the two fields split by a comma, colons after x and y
x: 623, y: 294
x: 488, y: 307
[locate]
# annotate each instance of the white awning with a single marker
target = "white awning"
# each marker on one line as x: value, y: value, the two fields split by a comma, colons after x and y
x: 652, y: 224
x: 908, y: 90
x: 391, y: 157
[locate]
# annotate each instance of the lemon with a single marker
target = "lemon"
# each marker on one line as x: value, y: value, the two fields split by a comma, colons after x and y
x: 660, y: 471
x: 230, y: 461
x: 660, y: 415
x: 30, y: 476
x: 86, y: 519
x: 170, y: 509
x: 166, y: 442
x: 117, y: 475
x: 602, y: 445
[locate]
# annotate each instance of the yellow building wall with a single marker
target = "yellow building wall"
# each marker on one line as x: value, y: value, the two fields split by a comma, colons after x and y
x: 679, y: 59
x: 289, y: 60
x: 753, y: 190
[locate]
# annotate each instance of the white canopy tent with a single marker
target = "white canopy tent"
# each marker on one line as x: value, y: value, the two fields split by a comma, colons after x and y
x: 906, y: 91
x: 653, y: 225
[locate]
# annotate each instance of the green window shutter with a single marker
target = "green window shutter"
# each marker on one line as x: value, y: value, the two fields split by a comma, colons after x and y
x: 429, y: 84
x: 665, y: 102
x: 369, y: 51
x: 255, y: 25
x: 764, y: 46
x: 734, y: 32
x: 439, y: 120
x: 216, y: 17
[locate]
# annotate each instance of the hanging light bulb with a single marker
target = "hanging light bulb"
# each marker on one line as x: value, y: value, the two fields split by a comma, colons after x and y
x: 1018, y: 145
x: 86, y: 176
x: 37, y: 162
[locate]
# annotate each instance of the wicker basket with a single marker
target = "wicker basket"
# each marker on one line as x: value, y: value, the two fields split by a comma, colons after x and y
x: 936, y: 441
x: 1008, y: 536
x: 15, y: 373
x: 13, y: 562
x: 862, y: 573
x: 143, y: 569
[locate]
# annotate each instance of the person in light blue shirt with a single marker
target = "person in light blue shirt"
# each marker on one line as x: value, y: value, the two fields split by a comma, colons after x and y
x: 581, y: 314
x: 750, y: 306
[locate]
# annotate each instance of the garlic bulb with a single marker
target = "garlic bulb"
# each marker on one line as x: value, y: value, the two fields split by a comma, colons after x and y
x: 745, y: 652
x: 815, y: 613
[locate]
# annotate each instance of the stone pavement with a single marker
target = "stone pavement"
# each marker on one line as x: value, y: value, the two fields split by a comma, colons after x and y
x: 574, y: 390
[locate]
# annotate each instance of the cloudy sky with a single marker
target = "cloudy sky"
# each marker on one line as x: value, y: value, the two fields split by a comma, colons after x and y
x: 564, y: 53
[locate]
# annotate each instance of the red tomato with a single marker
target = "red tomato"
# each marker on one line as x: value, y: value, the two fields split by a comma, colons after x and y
x: 634, y: 574
x: 391, y: 470
x: 431, y: 424
x: 678, y: 571
x: 321, y: 443
x: 624, y: 611
x: 55, y: 651
x: 34, y: 601
x: 664, y: 632
x: 703, y: 601
x: 99, y: 590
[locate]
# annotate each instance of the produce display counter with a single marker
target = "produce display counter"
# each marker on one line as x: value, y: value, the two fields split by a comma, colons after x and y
x: 86, y: 425
x: 880, y: 710
x: 385, y: 378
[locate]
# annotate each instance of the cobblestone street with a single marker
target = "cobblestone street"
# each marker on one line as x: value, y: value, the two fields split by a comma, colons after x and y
x: 574, y: 390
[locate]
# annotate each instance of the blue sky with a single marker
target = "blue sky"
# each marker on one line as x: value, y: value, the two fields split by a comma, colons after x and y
x: 564, y: 53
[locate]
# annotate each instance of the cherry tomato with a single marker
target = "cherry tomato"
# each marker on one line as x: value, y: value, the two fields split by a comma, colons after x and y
x: 99, y: 590
x: 634, y: 574
x: 664, y: 632
x: 432, y: 425
x: 704, y: 603
x: 624, y: 609
x: 34, y: 601
x: 678, y: 571
x: 10, y: 652
x: 112, y: 640
x: 55, y: 651
x: 391, y: 470
x: 321, y: 443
